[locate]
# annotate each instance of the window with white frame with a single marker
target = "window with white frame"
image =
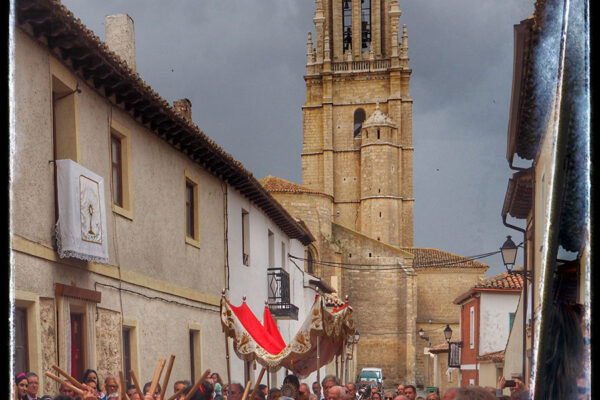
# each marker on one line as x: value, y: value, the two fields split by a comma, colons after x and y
x: 245, y: 237
x: 271, y: 249
x: 472, y: 328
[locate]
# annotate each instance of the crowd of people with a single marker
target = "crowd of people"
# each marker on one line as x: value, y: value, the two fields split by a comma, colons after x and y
x: 26, y: 387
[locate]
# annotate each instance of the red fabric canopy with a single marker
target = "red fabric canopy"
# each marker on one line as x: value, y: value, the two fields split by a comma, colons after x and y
x: 271, y: 328
x: 268, y: 336
x: 264, y: 343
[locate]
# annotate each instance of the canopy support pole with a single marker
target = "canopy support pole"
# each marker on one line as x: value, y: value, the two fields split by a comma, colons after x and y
x: 260, y: 376
x: 342, y: 361
x: 228, y: 367
x: 319, y: 360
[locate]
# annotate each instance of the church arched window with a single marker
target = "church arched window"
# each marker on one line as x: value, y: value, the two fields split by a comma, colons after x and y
x: 359, y: 118
x: 347, y: 23
x: 365, y: 26
x: 309, y: 262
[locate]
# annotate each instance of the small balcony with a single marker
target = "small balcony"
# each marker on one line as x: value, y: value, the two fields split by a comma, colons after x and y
x: 454, y: 353
x: 278, y: 281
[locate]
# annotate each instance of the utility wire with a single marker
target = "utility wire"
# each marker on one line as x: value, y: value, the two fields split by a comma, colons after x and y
x: 156, y: 297
x: 389, y: 267
x: 385, y: 267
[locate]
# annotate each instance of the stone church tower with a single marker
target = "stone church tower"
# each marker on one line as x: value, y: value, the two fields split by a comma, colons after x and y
x: 357, y: 118
x: 356, y: 195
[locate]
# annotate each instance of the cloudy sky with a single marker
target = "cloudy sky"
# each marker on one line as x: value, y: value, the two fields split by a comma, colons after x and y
x: 241, y: 64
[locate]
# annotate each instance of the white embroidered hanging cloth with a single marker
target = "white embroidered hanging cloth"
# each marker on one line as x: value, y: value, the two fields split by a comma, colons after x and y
x: 81, y: 225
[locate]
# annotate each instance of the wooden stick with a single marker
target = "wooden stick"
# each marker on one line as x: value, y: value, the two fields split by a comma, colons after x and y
x: 123, y: 386
x: 65, y: 383
x: 202, y: 379
x: 177, y: 393
x: 157, y: 373
x: 228, y: 367
x: 167, y: 376
x: 135, y: 382
x: 260, y: 376
x: 246, y: 390
x: 74, y: 381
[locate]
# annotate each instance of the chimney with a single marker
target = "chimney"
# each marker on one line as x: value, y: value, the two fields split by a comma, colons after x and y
x: 184, y: 108
x: 120, y: 37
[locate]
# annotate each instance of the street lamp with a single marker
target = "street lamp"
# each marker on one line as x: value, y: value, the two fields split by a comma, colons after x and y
x: 428, y: 339
x: 422, y: 336
x: 509, y: 253
x: 351, y: 340
x: 453, y: 349
x: 509, y: 257
x: 448, y: 333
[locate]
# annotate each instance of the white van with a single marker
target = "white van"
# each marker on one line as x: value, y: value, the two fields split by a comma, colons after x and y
x: 371, y: 375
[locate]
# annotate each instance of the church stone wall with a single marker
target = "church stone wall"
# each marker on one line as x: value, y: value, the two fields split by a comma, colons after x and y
x: 312, y: 126
x: 378, y: 179
x: 380, y: 219
x: 406, y: 123
x: 312, y: 167
x: 314, y: 209
x: 381, y: 302
x: 437, y: 289
x: 348, y: 214
x: 346, y: 176
x: 408, y: 220
x: 360, y: 89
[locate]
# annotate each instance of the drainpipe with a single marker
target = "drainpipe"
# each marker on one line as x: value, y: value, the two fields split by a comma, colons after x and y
x: 533, y: 246
x: 226, y: 235
x: 524, y: 328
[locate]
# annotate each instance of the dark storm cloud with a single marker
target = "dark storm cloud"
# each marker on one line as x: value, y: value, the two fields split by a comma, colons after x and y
x: 241, y: 64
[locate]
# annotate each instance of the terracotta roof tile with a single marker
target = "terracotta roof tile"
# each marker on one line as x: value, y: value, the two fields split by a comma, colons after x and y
x: 492, y: 356
x: 439, y: 348
x: 510, y: 282
x: 435, y: 258
x: 503, y: 281
x: 275, y: 184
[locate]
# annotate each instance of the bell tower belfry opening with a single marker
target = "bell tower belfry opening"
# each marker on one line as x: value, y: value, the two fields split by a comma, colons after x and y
x: 357, y: 117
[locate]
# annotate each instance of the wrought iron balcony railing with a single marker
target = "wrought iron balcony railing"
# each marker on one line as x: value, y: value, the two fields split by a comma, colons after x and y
x: 454, y: 350
x: 279, y: 294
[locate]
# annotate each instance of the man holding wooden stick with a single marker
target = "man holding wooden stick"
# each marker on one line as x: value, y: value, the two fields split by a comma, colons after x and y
x: 84, y: 392
x: 147, y: 391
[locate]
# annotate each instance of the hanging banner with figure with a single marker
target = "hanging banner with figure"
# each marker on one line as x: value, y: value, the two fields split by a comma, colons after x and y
x: 81, y: 225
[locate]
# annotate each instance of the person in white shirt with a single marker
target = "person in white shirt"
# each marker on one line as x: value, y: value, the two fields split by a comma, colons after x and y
x: 33, y: 383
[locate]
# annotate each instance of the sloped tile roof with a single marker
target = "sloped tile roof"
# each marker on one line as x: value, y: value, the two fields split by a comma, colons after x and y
x: 503, y: 281
x: 517, y: 201
x: 275, y: 184
x: 497, y: 356
x: 509, y: 282
x: 439, y: 348
x: 435, y: 258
